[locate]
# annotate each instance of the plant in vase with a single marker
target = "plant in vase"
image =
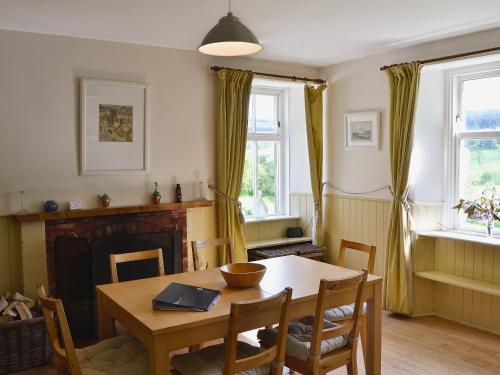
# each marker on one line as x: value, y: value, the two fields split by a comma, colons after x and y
x: 486, y: 207
x: 156, y: 196
x: 104, y: 200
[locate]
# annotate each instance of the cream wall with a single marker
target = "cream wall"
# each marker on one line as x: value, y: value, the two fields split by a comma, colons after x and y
x: 360, y: 85
x: 39, y: 103
x: 39, y: 131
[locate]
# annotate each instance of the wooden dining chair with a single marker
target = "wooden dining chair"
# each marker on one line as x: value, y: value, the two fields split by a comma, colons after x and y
x: 342, y: 313
x: 371, y: 250
x: 120, y: 355
x: 114, y: 259
x: 316, y: 346
x: 234, y: 357
x: 217, y: 242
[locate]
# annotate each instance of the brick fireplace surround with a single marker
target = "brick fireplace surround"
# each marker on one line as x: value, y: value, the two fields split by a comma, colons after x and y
x: 95, y: 227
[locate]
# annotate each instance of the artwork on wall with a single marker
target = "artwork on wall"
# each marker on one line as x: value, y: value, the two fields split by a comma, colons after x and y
x: 362, y: 130
x: 114, y: 127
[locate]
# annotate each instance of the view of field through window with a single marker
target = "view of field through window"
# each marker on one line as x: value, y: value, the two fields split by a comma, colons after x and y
x: 480, y: 156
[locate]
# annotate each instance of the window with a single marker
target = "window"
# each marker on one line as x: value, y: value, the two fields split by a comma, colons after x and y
x: 262, y: 188
x: 475, y: 139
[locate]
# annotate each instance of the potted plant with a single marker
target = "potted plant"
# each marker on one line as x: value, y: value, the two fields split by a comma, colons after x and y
x: 104, y: 200
x: 486, y: 207
x: 156, y: 196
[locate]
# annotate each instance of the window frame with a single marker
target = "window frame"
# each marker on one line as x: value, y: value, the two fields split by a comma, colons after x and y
x: 279, y: 137
x: 456, y: 133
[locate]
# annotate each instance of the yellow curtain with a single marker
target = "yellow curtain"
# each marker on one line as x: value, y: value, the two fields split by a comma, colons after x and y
x: 234, y: 97
x: 314, y: 125
x: 403, y: 83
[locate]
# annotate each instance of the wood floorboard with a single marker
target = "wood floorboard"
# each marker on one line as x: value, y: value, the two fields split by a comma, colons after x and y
x: 418, y: 346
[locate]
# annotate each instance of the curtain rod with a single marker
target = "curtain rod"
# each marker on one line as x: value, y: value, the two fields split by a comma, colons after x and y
x: 450, y: 57
x: 281, y: 76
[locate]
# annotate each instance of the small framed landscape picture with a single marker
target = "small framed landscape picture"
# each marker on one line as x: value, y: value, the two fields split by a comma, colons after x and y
x: 362, y: 130
x: 114, y: 127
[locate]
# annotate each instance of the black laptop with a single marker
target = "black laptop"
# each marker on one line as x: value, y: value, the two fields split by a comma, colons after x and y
x: 185, y: 298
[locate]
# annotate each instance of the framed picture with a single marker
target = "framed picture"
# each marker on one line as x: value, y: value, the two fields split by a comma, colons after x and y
x: 114, y: 127
x: 362, y: 130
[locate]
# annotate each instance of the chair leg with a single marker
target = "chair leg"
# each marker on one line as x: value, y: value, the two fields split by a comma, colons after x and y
x: 362, y: 335
x: 352, y: 368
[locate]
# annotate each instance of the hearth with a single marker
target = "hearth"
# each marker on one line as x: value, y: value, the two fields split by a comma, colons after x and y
x: 78, y: 257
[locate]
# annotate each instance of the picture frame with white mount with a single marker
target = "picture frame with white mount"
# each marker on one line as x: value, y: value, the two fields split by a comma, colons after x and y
x: 362, y: 130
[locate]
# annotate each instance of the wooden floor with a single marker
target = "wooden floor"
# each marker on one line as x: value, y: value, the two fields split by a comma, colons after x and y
x: 426, y: 346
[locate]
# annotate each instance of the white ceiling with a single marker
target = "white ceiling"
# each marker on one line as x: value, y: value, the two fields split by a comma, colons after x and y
x: 314, y: 32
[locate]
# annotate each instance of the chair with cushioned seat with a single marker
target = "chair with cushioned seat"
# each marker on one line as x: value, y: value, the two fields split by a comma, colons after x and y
x: 316, y: 346
x: 342, y: 313
x: 236, y: 357
x: 119, y: 355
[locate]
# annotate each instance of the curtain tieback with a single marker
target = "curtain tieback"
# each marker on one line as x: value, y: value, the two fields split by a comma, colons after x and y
x: 241, y: 217
x: 403, y: 199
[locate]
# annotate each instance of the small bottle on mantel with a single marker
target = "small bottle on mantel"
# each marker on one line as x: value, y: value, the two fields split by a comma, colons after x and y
x: 178, y: 193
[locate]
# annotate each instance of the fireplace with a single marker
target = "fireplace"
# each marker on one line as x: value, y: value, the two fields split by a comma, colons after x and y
x: 78, y: 257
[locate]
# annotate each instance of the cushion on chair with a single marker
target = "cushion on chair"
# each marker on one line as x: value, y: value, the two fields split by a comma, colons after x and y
x: 210, y: 360
x: 118, y: 355
x: 299, y: 338
x: 342, y: 313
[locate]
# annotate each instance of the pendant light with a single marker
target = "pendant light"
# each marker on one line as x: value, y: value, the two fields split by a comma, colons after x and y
x: 230, y: 38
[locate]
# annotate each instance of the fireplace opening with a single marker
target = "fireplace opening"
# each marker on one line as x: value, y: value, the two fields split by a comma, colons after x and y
x: 81, y: 264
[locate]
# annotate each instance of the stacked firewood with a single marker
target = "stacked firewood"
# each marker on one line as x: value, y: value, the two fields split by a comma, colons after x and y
x: 15, y: 307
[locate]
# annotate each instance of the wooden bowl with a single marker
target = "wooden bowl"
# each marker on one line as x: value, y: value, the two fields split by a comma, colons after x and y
x: 243, y: 275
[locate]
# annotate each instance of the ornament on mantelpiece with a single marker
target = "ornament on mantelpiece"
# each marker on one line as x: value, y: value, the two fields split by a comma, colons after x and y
x: 75, y: 204
x: 156, y: 196
x: 50, y: 206
x: 178, y: 193
x: 104, y: 200
x: 202, y: 195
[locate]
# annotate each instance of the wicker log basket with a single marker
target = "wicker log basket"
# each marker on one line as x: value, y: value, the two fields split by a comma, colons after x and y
x: 24, y: 342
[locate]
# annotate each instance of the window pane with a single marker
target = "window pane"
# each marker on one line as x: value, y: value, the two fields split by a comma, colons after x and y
x: 265, y: 114
x: 481, y: 103
x: 247, y: 186
x: 267, y: 152
x: 479, y: 167
x: 251, y: 114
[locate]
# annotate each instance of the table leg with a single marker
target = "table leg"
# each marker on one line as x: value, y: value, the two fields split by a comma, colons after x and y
x: 374, y: 332
x: 105, y: 321
x: 159, y: 358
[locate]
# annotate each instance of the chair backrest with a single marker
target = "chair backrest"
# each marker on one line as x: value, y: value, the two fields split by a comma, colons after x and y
x: 335, y: 293
x: 370, y: 249
x: 250, y: 315
x: 57, y: 329
x: 114, y: 259
x: 220, y: 243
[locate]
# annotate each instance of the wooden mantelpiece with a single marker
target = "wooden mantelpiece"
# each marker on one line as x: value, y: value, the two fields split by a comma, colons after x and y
x: 92, y: 212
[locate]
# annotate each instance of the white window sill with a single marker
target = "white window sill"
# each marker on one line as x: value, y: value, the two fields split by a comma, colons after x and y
x: 251, y: 220
x: 460, y: 236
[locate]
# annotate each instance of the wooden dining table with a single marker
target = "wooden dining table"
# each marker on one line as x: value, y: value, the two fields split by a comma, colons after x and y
x: 162, y: 332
